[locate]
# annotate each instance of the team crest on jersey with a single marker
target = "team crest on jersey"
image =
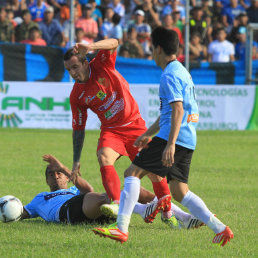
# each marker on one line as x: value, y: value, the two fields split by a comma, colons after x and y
x: 89, y: 99
x: 101, y: 95
x: 104, y: 82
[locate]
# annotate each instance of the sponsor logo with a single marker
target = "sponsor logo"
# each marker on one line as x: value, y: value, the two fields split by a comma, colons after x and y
x: 108, y: 103
x: 81, y: 95
x: 89, y: 99
x: 116, y: 108
x: 193, y: 118
x: 101, y: 95
x: 8, y: 120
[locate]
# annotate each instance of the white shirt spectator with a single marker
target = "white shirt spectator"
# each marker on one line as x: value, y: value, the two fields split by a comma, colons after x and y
x: 221, y: 51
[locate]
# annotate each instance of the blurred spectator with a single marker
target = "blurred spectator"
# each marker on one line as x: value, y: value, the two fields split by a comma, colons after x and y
x: 240, y: 21
x: 52, y: 31
x: 131, y: 47
x: 245, y: 3
x: 216, y: 26
x: 180, y: 54
x: 240, y: 46
x: 17, y: 6
x: 221, y: 50
x: 96, y: 13
x: 151, y: 13
x: 229, y: 13
x: 197, y: 51
x: 206, y: 8
x: 209, y: 29
x: 79, y: 35
x: 143, y: 31
x: 174, y: 6
x: 10, y: 17
x: 89, y: 26
x: 252, y: 12
x: 57, y: 5
x: 118, y: 8
x: 117, y: 31
x: 37, y: 10
x: 67, y: 25
x: 105, y: 30
x: 65, y: 11
x: 168, y: 23
x: 6, y: 27
x: 22, y: 30
x: 197, y: 24
x: 177, y: 21
x: 34, y: 38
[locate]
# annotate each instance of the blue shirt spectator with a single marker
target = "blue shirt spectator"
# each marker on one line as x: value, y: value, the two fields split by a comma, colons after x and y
x: 229, y: 13
x: 37, y: 10
x: 52, y: 31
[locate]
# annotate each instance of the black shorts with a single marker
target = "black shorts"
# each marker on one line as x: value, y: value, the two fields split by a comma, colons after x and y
x: 71, y: 212
x: 150, y: 159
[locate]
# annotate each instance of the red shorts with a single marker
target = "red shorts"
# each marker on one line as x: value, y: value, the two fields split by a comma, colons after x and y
x: 122, y: 138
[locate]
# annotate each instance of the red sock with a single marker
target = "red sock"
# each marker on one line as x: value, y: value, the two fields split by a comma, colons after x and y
x: 161, y: 189
x: 111, y: 182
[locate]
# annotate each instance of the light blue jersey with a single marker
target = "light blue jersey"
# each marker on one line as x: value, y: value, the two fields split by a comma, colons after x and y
x: 176, y: 85
x: 47, y: 204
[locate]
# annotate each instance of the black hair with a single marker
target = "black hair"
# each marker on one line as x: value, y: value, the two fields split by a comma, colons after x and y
x: 78, y: 29
x: 24, y: 12
x: 116, y: 18
x: 220, y: 29
x: 34, y: 28
x: 70, y: 53
x: 166, y: 39
x: 48, y: 170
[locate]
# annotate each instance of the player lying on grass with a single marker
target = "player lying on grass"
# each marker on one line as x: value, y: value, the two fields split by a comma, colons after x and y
x: 80, y: 204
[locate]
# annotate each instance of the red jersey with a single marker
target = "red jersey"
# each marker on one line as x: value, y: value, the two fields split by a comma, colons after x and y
x: 106, y: 93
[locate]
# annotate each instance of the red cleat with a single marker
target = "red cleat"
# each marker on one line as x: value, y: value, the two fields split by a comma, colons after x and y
x: 153, y: 208
x: 223, y: 237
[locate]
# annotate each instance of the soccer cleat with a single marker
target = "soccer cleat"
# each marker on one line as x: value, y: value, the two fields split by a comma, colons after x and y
x: 153, y: 208
x: 223, y: 237
x: 193, y: 222
x: 110, y: 210
x: 172, y: 221
x: 113, y: 232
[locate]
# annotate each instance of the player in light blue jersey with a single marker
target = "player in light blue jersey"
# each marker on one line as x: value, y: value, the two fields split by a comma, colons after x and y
x: 62, y: 204
x: 170, y: 152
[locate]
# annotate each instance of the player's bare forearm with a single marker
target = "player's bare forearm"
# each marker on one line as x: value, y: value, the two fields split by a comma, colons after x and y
x: 104, y: 44
x: 79, y: 182
x: 153, y: 129
x: 78, y: 139
x: 176, y: 120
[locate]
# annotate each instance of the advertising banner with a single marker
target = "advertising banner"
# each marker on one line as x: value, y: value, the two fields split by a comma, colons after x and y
x: 46, y: 105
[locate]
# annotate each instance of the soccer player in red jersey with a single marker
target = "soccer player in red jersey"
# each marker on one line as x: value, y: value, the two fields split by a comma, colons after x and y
x: 101, y: 88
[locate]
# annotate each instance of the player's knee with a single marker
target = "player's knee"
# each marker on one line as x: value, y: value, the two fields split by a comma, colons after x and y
x: 103, y: 159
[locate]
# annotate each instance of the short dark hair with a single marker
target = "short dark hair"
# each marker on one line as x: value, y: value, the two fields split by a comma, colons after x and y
x: 24, y: 12
x: 70, y: 53
x: 34, y: 28
x: 48, y: 170
x: 116, y: 18
x: 166, y: 39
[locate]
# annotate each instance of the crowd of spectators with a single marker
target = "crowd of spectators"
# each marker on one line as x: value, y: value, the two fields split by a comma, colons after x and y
x: 217, y: 27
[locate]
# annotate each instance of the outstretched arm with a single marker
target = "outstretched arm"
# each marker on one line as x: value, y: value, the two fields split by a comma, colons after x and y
x: 57, y: 166
x: 106, y: 44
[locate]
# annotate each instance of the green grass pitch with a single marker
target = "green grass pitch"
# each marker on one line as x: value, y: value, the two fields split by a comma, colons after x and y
x: 223, y: 173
